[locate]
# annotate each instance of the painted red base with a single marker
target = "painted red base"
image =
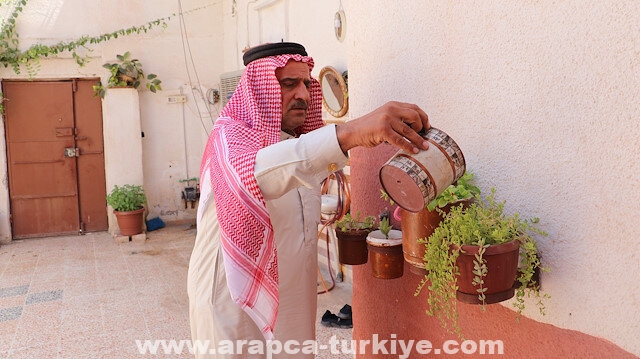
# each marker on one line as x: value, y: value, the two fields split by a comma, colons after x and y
x: 387, y: 307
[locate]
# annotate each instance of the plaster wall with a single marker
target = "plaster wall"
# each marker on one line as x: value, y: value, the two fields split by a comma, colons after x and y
x: 122, y: 142
x: 542, y: 97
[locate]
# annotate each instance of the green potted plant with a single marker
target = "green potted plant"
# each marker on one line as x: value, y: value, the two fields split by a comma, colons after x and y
x: 385, y: 251
x: 421, y: 224
x: 464, y: 189
x: 480, y: 255
x: 127, y: 72
x: 352, y: 232
x: 128, y: 202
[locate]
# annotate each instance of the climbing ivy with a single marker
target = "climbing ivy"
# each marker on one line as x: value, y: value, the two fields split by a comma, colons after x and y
x: 10, y: 54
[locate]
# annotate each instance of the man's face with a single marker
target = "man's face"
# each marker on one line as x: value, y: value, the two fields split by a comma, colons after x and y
x: 294, y: 81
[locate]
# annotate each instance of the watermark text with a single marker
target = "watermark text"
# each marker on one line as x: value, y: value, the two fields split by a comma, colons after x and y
x: 376, y: 345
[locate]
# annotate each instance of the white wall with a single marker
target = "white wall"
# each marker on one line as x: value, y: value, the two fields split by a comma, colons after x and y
x: 542, y: 97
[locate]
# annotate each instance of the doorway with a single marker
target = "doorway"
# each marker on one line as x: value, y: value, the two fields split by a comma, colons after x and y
x: 55, y: 157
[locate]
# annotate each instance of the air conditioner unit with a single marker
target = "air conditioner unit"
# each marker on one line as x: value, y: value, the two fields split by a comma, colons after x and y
x: 228, y: 83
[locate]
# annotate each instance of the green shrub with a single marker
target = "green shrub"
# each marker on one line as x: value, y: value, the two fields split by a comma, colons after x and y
x: 463, y: 189
x: 126, y: 198
x: 482, y: 224
x: 351, y: 223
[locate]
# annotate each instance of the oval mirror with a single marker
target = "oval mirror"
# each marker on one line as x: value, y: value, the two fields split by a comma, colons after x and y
x: 334, y: 91
x: 339, y: 25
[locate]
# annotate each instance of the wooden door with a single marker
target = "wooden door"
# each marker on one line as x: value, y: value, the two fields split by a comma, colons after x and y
x: 42, y: 148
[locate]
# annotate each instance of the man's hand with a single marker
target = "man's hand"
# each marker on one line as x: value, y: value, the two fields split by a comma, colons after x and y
x: 397, y: 123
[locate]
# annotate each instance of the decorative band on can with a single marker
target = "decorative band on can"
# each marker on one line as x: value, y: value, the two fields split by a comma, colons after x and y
x: 417, y: 172
x: 447, y: 145
x: 414, y: 180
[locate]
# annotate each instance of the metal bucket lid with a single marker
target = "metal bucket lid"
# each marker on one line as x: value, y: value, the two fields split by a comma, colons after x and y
x: 407, y: 189
x: 414, y: 180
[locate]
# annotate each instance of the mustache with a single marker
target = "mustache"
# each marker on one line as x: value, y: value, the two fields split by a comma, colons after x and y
x: 299, y: 105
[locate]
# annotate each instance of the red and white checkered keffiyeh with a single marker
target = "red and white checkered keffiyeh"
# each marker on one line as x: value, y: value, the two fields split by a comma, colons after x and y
x: 250, y: 121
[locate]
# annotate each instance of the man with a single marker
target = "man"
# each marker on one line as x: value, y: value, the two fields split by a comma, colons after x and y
x: 252, y: 274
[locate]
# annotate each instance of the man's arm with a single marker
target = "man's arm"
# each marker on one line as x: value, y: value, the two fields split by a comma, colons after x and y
x: 307, y: 160
x: 298, y: 162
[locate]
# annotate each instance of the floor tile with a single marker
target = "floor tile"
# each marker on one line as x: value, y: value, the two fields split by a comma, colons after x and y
x: 14, y: 291
x: 7, y: 314
x: 47, y: 296
x: 39, y: 326
x: 41, y: 352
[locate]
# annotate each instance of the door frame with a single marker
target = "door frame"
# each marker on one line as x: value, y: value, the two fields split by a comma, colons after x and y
x: 6, y: 230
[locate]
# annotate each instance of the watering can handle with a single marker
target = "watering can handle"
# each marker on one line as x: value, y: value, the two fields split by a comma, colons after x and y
x: 397, y: 214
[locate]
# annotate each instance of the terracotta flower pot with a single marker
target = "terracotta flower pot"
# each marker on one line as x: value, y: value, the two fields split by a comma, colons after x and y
x: 417, y: 225
x: 130, y: 222
x: 352, y: 246
x: 502, y: 269
x: 385, y: 254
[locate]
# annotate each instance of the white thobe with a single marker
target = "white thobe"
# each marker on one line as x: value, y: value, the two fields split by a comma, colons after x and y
x: 289, y: 175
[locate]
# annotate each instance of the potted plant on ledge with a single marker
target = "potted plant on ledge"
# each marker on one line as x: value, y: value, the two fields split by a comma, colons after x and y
x: 127, y: 72
x: 352, y: 238
x: 385, y: 251
x: 128, y: 206
x: 480, y: 255
x: 422, y: 224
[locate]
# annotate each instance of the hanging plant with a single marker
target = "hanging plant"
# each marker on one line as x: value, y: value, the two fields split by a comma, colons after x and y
x: 479, y: 227
x: 12, y: 56
x: 127, y: 72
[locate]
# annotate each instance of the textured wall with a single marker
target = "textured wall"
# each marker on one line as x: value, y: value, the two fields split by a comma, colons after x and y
x: 542, y: 97
x: 122, y: 142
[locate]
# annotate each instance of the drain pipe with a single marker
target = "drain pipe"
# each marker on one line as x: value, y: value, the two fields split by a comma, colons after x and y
x: 184, y: 136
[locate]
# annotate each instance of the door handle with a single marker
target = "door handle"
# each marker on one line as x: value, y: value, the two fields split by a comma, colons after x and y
x: 71, y: 152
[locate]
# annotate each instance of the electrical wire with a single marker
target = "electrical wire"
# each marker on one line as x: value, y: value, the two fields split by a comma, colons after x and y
x: 188, y: 58
x: 344, y: 201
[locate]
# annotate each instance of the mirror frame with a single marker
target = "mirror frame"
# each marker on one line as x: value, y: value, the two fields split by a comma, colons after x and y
x: 340, y: 25
x: 343, y: 89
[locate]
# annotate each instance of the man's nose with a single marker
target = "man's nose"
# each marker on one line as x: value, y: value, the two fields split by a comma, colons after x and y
x: 302, y: 92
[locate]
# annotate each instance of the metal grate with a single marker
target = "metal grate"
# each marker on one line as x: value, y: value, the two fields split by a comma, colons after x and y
x: 228, y: 83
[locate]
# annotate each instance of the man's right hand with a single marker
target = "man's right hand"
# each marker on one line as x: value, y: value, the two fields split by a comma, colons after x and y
x: 397, y: 123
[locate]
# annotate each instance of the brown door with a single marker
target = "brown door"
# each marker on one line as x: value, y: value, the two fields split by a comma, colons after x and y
x: 48, y: 178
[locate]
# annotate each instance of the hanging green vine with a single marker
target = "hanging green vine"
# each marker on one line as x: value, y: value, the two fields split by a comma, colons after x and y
x: 10, y: 54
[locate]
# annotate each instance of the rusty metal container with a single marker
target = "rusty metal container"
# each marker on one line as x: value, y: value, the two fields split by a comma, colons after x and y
x: 414, y: 180
x: 352, y: 246
x: 385, y: 255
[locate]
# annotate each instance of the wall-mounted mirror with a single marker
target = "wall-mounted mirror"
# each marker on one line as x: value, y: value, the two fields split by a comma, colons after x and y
x: 334, y: 91
x: 339, y: 25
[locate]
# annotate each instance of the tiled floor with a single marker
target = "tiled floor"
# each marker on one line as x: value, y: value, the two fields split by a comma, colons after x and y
x: 89, y: 297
